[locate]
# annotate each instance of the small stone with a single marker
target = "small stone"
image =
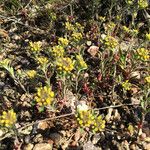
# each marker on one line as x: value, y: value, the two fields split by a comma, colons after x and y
x: 38, y: 138
x: 28, y: 147
x: 1, y: 133
x: 96, y: 138
x: 133, y: 147
x: 147, y: 146
x: 43, y: 146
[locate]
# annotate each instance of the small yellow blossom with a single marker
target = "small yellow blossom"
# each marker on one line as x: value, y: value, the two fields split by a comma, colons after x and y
x: 42, y: 60
x: 126, y: 85
x: 79, y: 27
x: 147, y: 79
x: 8, y: 119
x: 99, y: 124
x: 111, y: 25
x: 63, y: 41
x: 129, y: 2
x: 102, y: 18
x: 148, y: 36
x: 58, y: 51
x: 76, y: 36
x: 81, y: 64
x: 126, y: 29
x: 87, y: 119
x: 142, y: 3
x: 134, y: 31
x: 131, y: 129
x: 44, y: 96
x: 31, y: 73
x: 143, y: 54
x: 69, y: 26
x: 110, y: 42
x: 35, y: 46
x: 65, y: 64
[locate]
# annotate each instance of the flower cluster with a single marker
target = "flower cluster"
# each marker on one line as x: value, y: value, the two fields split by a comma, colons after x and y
x: 44, y: 96
x: 143, y: 54
x: 63, y: 41
x: 87, y: 119
x: 69, y: 26
x: 142, y: 3
x: 148, y: 36
x: 102, y: 18
x: 77, y: 36
x: 58, y: 51
x: 129, y: 2
x: 126, y: 85
x: 65, y: 65
x: 125, y: 29
x: 147, y: 79
x: 42, y: 60
x: 8, y: 119
x: 35, y: 46
x: 81, y: 64
x: 110, y: 42
x: 31, y: 73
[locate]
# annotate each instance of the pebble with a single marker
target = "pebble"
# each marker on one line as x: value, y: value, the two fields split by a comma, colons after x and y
x: 43, y: 146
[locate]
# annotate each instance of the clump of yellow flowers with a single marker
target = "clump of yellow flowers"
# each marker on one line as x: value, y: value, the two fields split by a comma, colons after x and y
x: 69, y: 26
x: 44, y: 96
x: 126, y: 85
x: 126, y: 29
x: 129, y: 2
x: 8, y: 119
x: 147, y: 79
x: 148, y: 36
x: 81, y: 64
x: 35, y: 46
x: 143, y: 54
x: 77, y: 36
x: 64, y: 65
x: 143, y: 3
x: 63, y: 41
x: 58, y: 51
x: 88, y: 120
x: 110, y: 42
x: 42, y: 60
x: 31, y: 73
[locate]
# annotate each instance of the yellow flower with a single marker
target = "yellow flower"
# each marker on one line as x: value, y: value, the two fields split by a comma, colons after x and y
x: 79, y: 27
x: 35, y: 46
x: 111, y: 25
x: 110, y: 42
x: 69, y: 26
x: 87, y: 118
x: 63, y: 41
x: 134, y: 32
x: 44, y: 96
x: 76, y: 36
x: 99, y: 124
x: 31, y: 73
x: 42, y: 60
x: 81, y: 64
x: 65, y: 65
x: 143, y: 54
x: 129, y: 2
x: 126, y: 29
x: 147, y: 79
x: 8, y: 119
x: 101, y: 18
x: 126, y: 85
x: 148, y: 36
x: 142, y: 3
x: 58, y: 51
